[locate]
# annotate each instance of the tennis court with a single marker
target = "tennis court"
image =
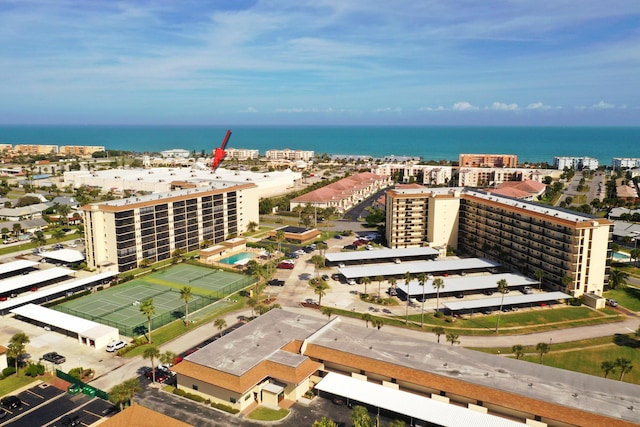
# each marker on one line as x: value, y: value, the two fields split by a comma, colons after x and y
x: 119, y: 306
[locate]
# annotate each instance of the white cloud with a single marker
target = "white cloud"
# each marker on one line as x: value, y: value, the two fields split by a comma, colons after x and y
x: 438, y: 108
x: 464, y: 106
x: 602, y: 106
x: 538, y: 106
x: 249, y: 110
x: 388, y: 110
x: 499, y: 106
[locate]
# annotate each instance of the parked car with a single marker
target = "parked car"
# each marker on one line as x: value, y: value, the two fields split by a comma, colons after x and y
x: 350, y: 247
x: 336, y: 277
x: 286, y: 265
x: 459, y: 294
x: 161, y: 376
x: 337, y: 236
x: 612, y: 302
x: 325, y: 277
x: 487, y: 292
x: 527, y: 290
x: 115, y: 346
x: 351, y: 282
x: 392, y: 292
x: 275, y: 282
x: 54, y: 358
x: 70, y: 420
x: 11, y: 402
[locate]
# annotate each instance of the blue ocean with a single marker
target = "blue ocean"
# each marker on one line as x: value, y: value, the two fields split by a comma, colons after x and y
x: 530, y: 144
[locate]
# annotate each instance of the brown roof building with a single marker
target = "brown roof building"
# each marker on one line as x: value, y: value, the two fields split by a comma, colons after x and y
x: 281, y: 354
x: 139, y: 416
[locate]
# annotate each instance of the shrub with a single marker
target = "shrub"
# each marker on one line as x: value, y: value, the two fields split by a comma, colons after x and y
x: 439, y: 314
x: 34, y: 370
x: 574, y: 302
x: 225, y: 408
x: 8, y: 371
x: 76, y: 372
x: 194, y: 397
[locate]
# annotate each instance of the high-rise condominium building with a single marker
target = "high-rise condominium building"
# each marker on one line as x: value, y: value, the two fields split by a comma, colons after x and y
x: 571, y: 250
x: 488, y: 160
x: 124, y: 232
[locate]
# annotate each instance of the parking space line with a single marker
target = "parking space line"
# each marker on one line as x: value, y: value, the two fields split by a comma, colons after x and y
x: 35, y: 394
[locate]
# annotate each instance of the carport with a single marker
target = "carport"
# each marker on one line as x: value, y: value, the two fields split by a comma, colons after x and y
x: 535, y: 298
x: 16, y: 266
x: 465, y: 284
x: 415, y: 407
x: 417, y: 267
x: 33, y: 279
x: 66, y: 256
x: 382, y: 255
x: 89, y: 333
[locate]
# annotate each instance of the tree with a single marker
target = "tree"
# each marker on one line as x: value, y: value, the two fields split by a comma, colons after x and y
x: 279, y: 239
x: 63, y: 211
x: 17, y: 229
x: 252, y: 226
x: 365, y: 281
x: 327, y: 311
x: 567, y: 281
x: 397, y: 423
x: 539, y: 274
x: 360, y: 417
x: 503, y: 288
x: 617, y: 278
x: 322, y: 248
x: 220, y: 324
x: 17, y: 346
x: 58, y: 235
x: 422, y: 279
x: 324, y: 422
x: 635, y: 254
x: 379, y: 279
x: 438, y: 330
x: 149, y: 310
x: 320, y: 289
x: 407, y: 280
x: 185, y: 295
x: 377, y: 323
x: 367, y: 317
x: 624, y: 365
x: 453, y: 338
x: 438, y: 283
x: 318, y: 263
x: 608, y: 367
x: 518, y: 350
x: 38, y: 239
x: 176, y: 256
x: 168, y: 358
x: 542, y: 348
x: 152, y: 353
x: 124, y: 392
x: 393, y: 282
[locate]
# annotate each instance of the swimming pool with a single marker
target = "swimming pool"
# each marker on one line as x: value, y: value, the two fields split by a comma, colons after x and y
x: 620, y: 256
x: 240, y: 258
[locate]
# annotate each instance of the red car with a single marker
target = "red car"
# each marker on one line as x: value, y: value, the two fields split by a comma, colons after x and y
x: 286, y: 265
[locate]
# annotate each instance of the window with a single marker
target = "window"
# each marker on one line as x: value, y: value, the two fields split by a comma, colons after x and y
x: 195, y: 387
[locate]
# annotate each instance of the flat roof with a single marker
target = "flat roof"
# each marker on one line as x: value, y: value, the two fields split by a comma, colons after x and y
x: 508, y: 300
x: 409, y: 404
x: 64, y: 321
x: 417, y: 267
x: 467, y: 283
x: 64, y: 255
x: 33, y: 278
x: 10, y: 267
x: 380, y: 254
x: 239, y: 351
x: 55, y: 289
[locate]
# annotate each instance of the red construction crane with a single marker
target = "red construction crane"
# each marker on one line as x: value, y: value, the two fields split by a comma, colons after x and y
x: 219, y: 153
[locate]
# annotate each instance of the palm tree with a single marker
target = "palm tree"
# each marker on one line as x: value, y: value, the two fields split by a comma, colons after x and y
x: 124, y: 392
x: 567, y: 281
x: 320, y: 289
x: 152, y: 353
x: 252, y: 302
x: 186, y: 295
x: 453, y: 338
x: 503, y: 288
x: 624, y: 365
x: 393, y: 282
x: 252, y: 226
x: 407, y: 280
x: 608, y: 367
x: 58, y: 234
x: 539, y: 274
x: 327, y: 311
x: 220, y: 323
x: 379, y: 279
x: 542, y: 348
x: 518, y: 350
x: 149, y: 310
x: 318, y: 263
x: 438, y: 330
x: 38, y: 239
x: 635, y: 254
x: 322, y: 247
x: 280, y: 239
x: 365, y: 281
x: 617, y: 278
x: 367, y: 317
x: 63, y: 211
x: 168, y: 358
x: 422, y: 279
x: 377, y: 322
x: 16, y: 348
x: 438, y: 283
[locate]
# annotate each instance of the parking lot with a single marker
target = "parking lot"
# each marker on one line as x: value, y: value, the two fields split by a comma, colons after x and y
x: 45, y: 404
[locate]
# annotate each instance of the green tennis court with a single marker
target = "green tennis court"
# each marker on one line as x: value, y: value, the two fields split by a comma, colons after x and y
x: 119, y: 306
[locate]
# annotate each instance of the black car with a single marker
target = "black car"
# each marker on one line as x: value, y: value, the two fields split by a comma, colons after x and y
x: 275, y: 282
x: 70, y: 420
x: 54, y: 358
x: 11, y: 402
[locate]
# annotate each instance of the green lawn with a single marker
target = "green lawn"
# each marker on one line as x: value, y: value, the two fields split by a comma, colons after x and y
x: 13, y: 382
x: 628, y: 297
x: 266, y: 414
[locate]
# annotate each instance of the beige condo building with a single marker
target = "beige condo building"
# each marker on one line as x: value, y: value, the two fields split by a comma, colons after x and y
x: 488, y: 160
x: 572, y: 250
x: 80, y: 150
x: 124, y: 232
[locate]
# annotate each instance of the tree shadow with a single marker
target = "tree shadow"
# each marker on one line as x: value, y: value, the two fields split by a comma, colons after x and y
x: 626, y: 341
x: 177, y: 314
x: 632, y: 292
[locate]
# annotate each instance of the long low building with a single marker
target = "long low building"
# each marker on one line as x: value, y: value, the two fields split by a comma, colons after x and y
x: 89, y: 333
x: 377, y: 255
x: 464, y: 284
x: 417, y: 267
x: 508, y: 301
x: 281, y: 355
x: 34, y: 279
x: 16, y: 266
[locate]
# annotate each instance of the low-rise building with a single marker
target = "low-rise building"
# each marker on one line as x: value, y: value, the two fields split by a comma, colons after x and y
x: 579, y: 163
x: 80, y: 150
x: 488, y: 177
x: 242, y: 154
x: 288, y: 154
x: 424, y: 174
x: 625, y: 162
x: 488, y: 160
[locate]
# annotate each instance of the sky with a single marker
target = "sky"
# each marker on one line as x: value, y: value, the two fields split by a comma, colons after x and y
x: 320, y: 62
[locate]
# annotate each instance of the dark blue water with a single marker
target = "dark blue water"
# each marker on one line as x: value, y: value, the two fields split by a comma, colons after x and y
x: 531, y: 144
